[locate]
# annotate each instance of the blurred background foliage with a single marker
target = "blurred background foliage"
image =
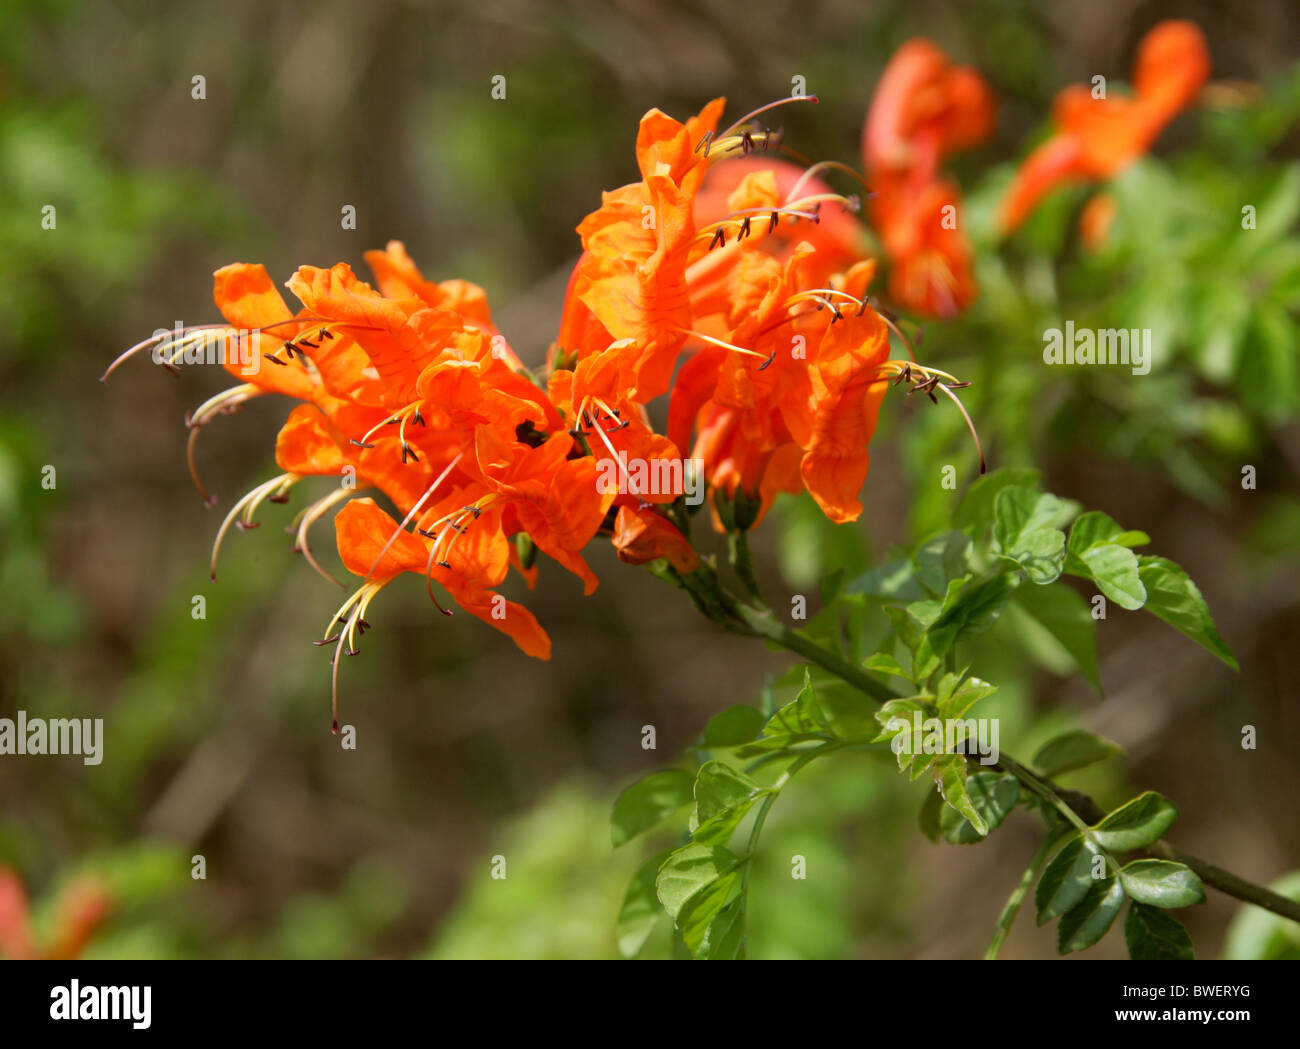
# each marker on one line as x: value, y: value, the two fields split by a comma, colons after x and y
x: 216, y: 729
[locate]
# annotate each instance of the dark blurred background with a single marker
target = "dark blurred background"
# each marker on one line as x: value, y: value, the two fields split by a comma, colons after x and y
x: 217, y: 729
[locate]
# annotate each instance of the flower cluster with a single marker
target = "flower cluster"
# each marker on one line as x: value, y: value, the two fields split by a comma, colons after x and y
x: 730, y: 281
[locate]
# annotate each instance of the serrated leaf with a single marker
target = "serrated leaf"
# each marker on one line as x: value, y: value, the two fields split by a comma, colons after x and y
x: 1153, y: 935
x: 1162, y: 883
x: 949, y: 773
x: 734, y: 726
x: 646, y: 802
x: 1089, y: 919
x: 1137, y: 823
x: 993, y: 795
x: 641, y: 910
x: 1066, y: 880
x: 1067, y: 618
x: 1073, y: 750
x: 1173, y: 597
x: 801, y: 716
x: 688, y: 871
x: 955, y: 704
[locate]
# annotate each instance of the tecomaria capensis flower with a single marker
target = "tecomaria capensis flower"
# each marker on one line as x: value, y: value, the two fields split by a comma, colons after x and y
x: 1095, y: 138
x: 924, y: 109
x: 747, y: 302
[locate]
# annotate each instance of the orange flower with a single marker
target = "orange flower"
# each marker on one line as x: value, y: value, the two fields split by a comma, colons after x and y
x: 642, y: 535
x: 924, y: 109
x: 1098, y: 137
x: 80, y: 909
x: 407, y: 389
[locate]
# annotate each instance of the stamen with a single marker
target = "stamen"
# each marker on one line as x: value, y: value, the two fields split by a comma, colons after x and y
x: 763, y: 109
x: 308, y: 517
x: 410, y: 516
x: 821, y: 165
x: 247, y: 504
x: 719, y: 342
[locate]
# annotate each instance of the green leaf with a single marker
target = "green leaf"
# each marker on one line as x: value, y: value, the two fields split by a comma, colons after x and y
x: 641, y: 910
x: 648, y: 801
x: 724, y: 937
x: 893, y: 581
x: 723, y: 796
x: 976, y: 509
x: 993, y: 795
x: 944, y: 557
x: 953, y: 702
x: 1137, y: 823
x: 1024, y: 532
x: 883, y: 663
x: 1073, y: 750
x: 931, y: 814
x: 949, y: 773
x: 1173, y: 597
x: 801, y: 716
x: 1098, y: 529
x: 1153, y: 935
x: 1068, y: 619
x: 1114, y: 569
x: 733, y: 726
x: 1088, y: 920
x: 701, y: 912
x: 690, y: 870
x: 1162, y: 883
x: 972, y: 609
x: 1066, y: 880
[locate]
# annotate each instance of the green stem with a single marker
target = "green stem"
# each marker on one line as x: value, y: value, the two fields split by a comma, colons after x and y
x: 1017, y: 897
x: 743, y: 563
x: 1071, y: 804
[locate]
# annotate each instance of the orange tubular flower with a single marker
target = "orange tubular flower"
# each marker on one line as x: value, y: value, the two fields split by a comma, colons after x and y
x: 924, y: 109
x: 79, y: 910
x: 1098, y: 137
x: 407, y: 390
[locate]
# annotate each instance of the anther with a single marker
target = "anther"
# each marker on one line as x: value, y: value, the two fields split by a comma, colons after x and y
x: 275, y: 360
x: 719, y: 238
x: 360, y: 444
x: 744, y: 228
x: 772, y: 223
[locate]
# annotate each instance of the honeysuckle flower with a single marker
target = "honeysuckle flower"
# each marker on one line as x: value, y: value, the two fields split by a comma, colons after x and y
x: 1095, y: 138
x: 924, y: 108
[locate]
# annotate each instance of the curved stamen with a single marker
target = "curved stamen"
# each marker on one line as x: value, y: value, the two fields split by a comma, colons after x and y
x: 412, y: 512
x: 811, y: 172
x: 247, y: 504
x: 308, y: 517
x: 763, y: 109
